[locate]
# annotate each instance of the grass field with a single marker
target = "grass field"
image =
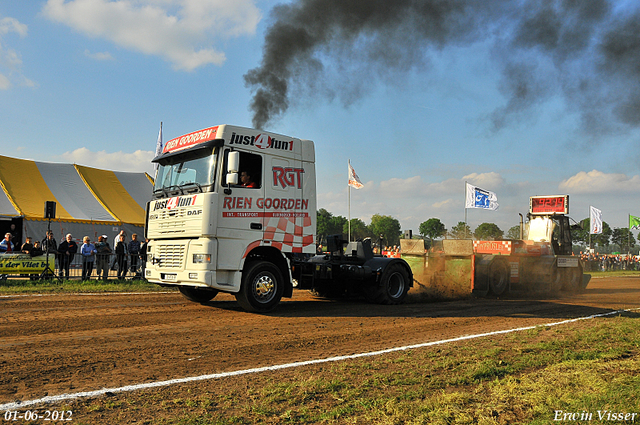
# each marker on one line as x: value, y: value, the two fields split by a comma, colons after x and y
x: 18, y: 286
x: 586, y: 370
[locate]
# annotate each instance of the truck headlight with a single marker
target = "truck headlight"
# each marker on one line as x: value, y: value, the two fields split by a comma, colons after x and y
x: 201, y: 258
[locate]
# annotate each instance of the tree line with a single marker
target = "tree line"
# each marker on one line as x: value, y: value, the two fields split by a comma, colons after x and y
x: 389, y: 229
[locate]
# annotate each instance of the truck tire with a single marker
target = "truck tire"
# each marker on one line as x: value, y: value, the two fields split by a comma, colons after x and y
x: 198, y: 295
x: 393, y: 286
x: 498, y: 278
x: 262, y: 287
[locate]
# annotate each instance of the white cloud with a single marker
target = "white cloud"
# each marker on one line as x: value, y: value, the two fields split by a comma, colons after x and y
x: 4, y: 82
x: 10, y: 61
x: 487, y: 181
x: 138, y: 161
x: 596, y: 181
x: 8, y: 25
x: 99, y: 56
x: 182, y: 32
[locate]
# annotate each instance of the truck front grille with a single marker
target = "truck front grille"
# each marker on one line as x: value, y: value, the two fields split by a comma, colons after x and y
x: 170, y: 256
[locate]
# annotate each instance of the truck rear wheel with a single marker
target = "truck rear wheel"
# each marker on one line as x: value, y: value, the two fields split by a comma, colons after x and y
x: 198, y: 295
x: 393, y: 286
x: 262, y: 287
x: 498, y: 278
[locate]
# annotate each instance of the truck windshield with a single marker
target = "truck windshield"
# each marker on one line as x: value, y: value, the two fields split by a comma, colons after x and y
x: 193, y: 172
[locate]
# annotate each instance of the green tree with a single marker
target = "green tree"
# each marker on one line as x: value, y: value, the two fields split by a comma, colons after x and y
x: 432, y: 228
x: 487, y: 231
x: 581, y: 235
x: 359, y: 229
x: 386, y: 226
x: 460, y: 231
x: 623, y: 238
x: 328, y: 224
x: 514, y: 232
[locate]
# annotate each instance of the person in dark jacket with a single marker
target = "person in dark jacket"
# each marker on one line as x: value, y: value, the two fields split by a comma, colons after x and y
x: 121, y: 257
x: 66, y: 251
x: 134, y: 252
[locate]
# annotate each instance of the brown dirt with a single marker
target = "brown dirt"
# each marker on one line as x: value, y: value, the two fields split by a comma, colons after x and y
x: 57, y: 344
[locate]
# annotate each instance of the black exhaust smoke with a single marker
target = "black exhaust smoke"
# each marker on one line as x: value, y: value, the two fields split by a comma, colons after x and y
x: 587, y: 51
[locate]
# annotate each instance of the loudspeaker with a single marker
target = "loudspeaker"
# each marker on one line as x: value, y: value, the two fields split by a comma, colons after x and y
x: 408, y: 234
x: 49, y: 209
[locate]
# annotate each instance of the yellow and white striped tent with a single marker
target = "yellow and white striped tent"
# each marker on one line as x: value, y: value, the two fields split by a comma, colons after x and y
x: 89, y: 201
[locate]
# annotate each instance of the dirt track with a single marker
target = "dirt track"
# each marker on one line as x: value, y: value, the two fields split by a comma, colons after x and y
x: 58, y: 344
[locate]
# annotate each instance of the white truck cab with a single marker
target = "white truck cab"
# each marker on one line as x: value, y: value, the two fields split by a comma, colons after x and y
x: 204, y: 223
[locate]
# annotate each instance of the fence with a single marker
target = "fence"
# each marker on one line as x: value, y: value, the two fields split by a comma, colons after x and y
x: 132, y: 268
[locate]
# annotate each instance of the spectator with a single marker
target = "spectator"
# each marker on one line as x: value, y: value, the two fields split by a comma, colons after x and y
x: 88, y: 252
x: 27, y: 247
x: 134, y: 252
x: 115, y: 242
x: 16, y: 237
x: 66, y: 250
x: 37, y: 249
x: 102, y: 257
x: 6, y: 245
x: 143, y: 256
x: 49, y: 243
x: 121, y: 257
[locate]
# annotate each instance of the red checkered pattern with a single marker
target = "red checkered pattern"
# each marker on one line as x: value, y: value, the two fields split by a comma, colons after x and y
x: 286, y: 235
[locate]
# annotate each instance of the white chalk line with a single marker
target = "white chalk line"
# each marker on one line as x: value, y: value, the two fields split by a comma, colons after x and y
x: 128, y: 388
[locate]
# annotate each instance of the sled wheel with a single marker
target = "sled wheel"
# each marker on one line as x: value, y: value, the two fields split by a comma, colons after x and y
x: 262, y: 287
x: 198, y: 295
x: 498, y: 278
x: 393, y: 286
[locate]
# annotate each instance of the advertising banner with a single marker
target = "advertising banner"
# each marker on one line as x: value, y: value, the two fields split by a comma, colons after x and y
x: 20, y: 263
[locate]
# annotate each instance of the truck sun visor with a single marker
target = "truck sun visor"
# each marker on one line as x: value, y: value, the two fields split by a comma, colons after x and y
x: 197, y: 149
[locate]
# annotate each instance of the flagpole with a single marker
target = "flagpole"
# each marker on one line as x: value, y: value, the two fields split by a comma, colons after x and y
x: 160, y: 141
x: 349, y: 209
x: 465, y: 209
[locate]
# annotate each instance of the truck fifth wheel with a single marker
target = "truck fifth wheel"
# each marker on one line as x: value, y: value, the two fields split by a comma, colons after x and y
x: 234, y: 210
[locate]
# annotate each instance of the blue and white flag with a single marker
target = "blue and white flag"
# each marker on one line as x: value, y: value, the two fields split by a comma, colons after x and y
x: 158, y: 146
x: 595, y: 218
x: 480, y: 198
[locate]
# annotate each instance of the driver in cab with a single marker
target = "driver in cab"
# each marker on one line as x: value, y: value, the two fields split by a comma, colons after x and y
x: 246, y: 179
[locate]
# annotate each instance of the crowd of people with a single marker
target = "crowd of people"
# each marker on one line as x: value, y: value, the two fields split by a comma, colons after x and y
x: 609, y: 262
x: 123, y: 256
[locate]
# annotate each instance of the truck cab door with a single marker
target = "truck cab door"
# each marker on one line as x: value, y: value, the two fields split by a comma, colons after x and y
x: 240, y: 216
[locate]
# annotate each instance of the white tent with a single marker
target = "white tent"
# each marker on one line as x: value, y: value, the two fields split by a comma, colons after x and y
x: 89, y: 201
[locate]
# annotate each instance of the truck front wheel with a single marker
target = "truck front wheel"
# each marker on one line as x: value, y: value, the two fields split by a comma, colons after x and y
x: 198, y: 295
x: 393, y: 286
x: 262, y: 287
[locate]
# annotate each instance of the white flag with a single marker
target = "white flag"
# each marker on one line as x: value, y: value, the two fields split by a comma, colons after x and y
x: 158, y: 146
x: 480, y: 198
x: 595, y: 217
x: 354, y: 180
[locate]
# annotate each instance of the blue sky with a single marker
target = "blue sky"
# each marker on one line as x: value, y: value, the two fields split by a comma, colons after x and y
x: 89, y: 81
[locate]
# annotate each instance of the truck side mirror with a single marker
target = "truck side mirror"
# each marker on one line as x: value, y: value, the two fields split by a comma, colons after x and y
x: 233, y: 163
x: 232, y: 178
